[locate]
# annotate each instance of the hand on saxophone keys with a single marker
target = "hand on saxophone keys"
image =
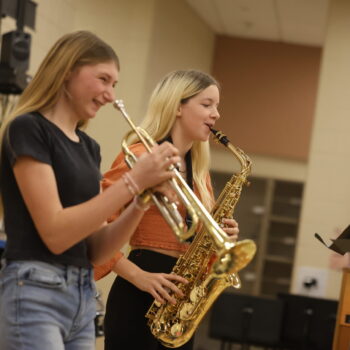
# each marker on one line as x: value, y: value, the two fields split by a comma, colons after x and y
x: 230, y: 226
x: 160, y: 285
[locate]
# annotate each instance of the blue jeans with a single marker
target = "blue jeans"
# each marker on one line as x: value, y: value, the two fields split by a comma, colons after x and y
x: 46, y: 306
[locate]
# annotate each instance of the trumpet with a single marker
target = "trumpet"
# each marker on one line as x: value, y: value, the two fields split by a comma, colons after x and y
x: 195, y: 208
x: 167, y: 208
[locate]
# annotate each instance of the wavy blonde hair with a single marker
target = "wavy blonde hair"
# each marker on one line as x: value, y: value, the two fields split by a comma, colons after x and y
x: 71, y: 51
x: 173, y: 90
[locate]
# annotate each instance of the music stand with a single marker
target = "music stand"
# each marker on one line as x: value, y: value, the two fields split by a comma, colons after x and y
x: 308, y: 323
x: 341, y: 245
x: 246, y: 320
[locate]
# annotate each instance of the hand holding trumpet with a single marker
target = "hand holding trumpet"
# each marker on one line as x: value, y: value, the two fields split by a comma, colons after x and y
x: 153, y: 168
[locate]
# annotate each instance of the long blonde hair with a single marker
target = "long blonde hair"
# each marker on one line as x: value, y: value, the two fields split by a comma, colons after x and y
x: 71, y: 51
x: 175, y: 89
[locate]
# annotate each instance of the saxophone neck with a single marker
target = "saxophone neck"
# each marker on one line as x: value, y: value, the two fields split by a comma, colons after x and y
x: 246, y: 163
x: 243, y: 158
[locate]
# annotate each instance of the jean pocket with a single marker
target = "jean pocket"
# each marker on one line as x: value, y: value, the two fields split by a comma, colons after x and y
x: 41, y: 276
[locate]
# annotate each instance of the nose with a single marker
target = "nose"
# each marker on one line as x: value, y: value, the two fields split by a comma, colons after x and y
x: 109, y: 94
x: 215, y: 113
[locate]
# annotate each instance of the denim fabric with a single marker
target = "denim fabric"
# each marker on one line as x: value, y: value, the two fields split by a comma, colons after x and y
x: 46, y: 307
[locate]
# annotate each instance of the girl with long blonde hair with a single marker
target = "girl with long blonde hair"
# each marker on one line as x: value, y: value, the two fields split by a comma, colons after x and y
x: 182, y: 109
x: 54, y: 213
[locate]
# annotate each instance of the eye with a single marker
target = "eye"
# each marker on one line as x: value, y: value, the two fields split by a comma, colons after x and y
x: 205, y: 105
x: 104, y: 79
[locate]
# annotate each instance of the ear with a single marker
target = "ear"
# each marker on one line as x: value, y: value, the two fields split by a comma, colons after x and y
x: 179, y: 111
x: 68, y: 75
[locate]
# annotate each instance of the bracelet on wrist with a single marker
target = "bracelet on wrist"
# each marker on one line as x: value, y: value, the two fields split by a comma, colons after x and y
x: 131, y: 184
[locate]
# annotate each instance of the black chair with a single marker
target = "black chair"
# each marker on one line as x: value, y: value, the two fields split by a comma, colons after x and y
x: 246, y: 320
x: 308, y: 323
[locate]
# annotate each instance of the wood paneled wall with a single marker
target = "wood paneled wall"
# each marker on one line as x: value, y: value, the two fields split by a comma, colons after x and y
x: 268, y: 95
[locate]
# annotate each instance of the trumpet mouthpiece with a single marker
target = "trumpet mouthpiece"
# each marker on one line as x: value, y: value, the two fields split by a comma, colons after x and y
x: 119, y: 104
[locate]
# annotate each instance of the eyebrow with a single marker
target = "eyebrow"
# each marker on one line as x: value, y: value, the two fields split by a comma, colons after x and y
x: 209, y: 99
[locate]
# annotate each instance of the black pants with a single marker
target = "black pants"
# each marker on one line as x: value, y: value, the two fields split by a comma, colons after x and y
x: 125, y: 322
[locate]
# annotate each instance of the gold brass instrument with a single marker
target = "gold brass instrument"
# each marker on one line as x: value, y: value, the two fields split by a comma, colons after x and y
x: 207, y: 267
x: 168, y: 209
x: 194, y: 207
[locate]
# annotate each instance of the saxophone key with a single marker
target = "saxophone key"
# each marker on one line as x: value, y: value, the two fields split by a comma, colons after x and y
x: 197, y: 293
x: 157, y: 303
x: 234, y: 280
x: 176, y: 330
x: 186, y: 311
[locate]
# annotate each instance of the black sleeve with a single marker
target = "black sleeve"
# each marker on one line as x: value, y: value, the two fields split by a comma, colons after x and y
x: 25, y: 136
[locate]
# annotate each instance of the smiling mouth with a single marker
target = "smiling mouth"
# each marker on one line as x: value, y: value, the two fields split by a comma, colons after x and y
x: 97, y: 103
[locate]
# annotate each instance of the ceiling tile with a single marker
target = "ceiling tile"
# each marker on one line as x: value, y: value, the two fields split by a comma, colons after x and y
x: 291, y: 21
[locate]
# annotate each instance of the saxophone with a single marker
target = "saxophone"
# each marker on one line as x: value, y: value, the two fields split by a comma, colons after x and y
x: 174, y: 325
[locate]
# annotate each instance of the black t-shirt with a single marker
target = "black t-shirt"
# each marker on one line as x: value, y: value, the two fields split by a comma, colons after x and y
x: 76, y: 168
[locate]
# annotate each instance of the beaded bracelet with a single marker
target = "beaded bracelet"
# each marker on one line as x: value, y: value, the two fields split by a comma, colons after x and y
x: 130, y: 185
x: 133, y: 183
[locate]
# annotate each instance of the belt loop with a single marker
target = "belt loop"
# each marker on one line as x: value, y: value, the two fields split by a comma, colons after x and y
x: 91, y: 277
x: 69, y: 273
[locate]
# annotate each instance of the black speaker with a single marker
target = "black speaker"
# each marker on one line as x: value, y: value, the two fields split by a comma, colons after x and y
x: 15, y: 50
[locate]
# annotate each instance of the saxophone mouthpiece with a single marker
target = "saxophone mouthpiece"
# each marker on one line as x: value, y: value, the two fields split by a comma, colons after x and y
x: 219, y: 136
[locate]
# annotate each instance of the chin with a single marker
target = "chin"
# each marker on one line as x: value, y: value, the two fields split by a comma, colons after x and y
x: 90, y: 114
x: 206, y: 138
x: 200, y: 137
x: 203, y: 139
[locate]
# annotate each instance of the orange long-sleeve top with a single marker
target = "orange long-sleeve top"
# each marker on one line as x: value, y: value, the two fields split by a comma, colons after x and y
x: 152, y: 231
